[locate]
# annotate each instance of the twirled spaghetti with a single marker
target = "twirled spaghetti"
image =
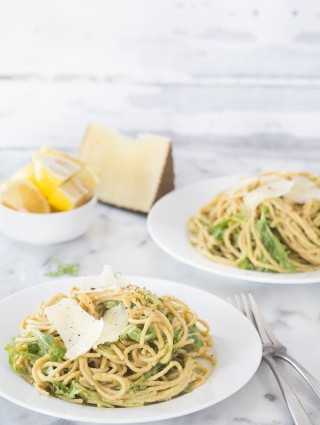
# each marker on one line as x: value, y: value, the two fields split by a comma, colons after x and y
x: 272, y: 233
x: 155, y: 359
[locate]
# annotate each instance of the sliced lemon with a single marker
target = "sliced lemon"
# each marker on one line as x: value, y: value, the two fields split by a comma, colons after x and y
x: 25, y: 173
x: 51, y: 171
x: 53, y: 152
x: 71, y: 194
x: 22, y: 195
x: 89, y: 177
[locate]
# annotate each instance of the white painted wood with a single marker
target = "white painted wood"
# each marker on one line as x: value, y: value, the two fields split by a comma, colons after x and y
x: 159, y: 41
x: 57, y: 113
x: 206, y: 71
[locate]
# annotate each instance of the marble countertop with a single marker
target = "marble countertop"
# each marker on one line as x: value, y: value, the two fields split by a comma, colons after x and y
x: 237, y: 88
x: 120, y: 238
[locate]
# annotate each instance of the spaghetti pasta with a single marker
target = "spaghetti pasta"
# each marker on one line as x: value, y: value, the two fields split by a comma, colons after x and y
x: 269, y: 223
x: 158, y: 356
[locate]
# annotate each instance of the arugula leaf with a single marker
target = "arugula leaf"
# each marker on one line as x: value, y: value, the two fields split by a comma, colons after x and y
x: 170, y: 317
x: 19, y: 368
x: 150, y: 299
x: 59, y: 389
x: 177, y: 334
x: 63, y: 268
x: 245, y: 263
x: 135, y: 388
x: 47, y: 346
x: 187, y: 389
x: 106, y: 348
x: 235, y: 237
x: 218, y: 230
x: 33, y: 347
x: 165, y: 350
x: 22, y: 353
x: 273, y: 244
x: 134, y: 333
x: 157, y: 368
x: 138, y: 385
x: 89, y: 395
x: 194, y: 334
x: 111, y: 303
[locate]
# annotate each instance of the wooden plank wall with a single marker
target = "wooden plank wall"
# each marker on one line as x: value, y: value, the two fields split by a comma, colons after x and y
x: 215, y: 74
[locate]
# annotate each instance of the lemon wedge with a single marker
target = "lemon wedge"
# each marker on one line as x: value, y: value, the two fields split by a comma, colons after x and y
x: 25, y: 173
x: 75, y: 191
x: 22, y: 195
x: 71, y: 194
x: 51, y: 171
x: 53, y: 152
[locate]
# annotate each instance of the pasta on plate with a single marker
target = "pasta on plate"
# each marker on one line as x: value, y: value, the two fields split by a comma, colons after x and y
x: 159, y: 351
x: 268, y: 223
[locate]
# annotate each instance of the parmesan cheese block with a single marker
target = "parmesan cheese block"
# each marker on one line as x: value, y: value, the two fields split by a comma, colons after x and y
x: 134, y: 173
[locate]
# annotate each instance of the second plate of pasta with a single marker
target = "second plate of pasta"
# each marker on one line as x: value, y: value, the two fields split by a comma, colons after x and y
x: 203, y: 225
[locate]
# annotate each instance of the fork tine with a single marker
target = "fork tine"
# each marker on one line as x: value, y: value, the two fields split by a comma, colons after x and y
x: 259, y: 320
x: 238, y: 304
x: 247, y: 311
x: 230, y: 301
x: 245, y: 305
x: 269, y: 332
x: 234, y: 301
x: 246, y: 308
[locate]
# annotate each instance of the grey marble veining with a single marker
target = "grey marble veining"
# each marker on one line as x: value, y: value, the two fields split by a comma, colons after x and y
x: 120, y: 238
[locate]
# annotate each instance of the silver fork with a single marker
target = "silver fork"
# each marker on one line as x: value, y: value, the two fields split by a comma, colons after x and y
x: 279, y: 350
x: 249, y: 308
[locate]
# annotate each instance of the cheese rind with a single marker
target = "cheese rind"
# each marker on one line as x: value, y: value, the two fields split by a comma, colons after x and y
x: 131, y: 170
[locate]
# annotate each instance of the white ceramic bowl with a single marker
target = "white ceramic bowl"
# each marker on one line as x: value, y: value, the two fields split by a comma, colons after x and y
x: 47, y: 229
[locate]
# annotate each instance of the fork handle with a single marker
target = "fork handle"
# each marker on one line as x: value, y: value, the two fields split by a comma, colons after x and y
x: 299, y: 415
x: 311, y: 380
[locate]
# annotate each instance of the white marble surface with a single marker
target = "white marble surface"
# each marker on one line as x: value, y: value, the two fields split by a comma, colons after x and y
x: 121, y: 239
x: 237, y: 81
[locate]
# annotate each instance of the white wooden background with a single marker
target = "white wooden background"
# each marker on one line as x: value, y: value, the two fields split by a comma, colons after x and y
x: 217, y: 73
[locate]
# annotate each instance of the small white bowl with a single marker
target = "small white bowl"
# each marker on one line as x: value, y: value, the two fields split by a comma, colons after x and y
x: 49, y: 228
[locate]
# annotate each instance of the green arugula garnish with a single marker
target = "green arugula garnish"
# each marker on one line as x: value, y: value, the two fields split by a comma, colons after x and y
x: 194, y: 334
x: 59, y: 389
x: 273, y: 244
x: 63, y: 269
x: 20, y: 369
x: 47, y: 346
x: 244, y: 263
x: 134, y: 333
x: 111, y: 303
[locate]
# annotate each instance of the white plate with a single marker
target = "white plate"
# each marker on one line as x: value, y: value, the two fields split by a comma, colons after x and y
x: 167, y: 225
x: 237, y: 347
